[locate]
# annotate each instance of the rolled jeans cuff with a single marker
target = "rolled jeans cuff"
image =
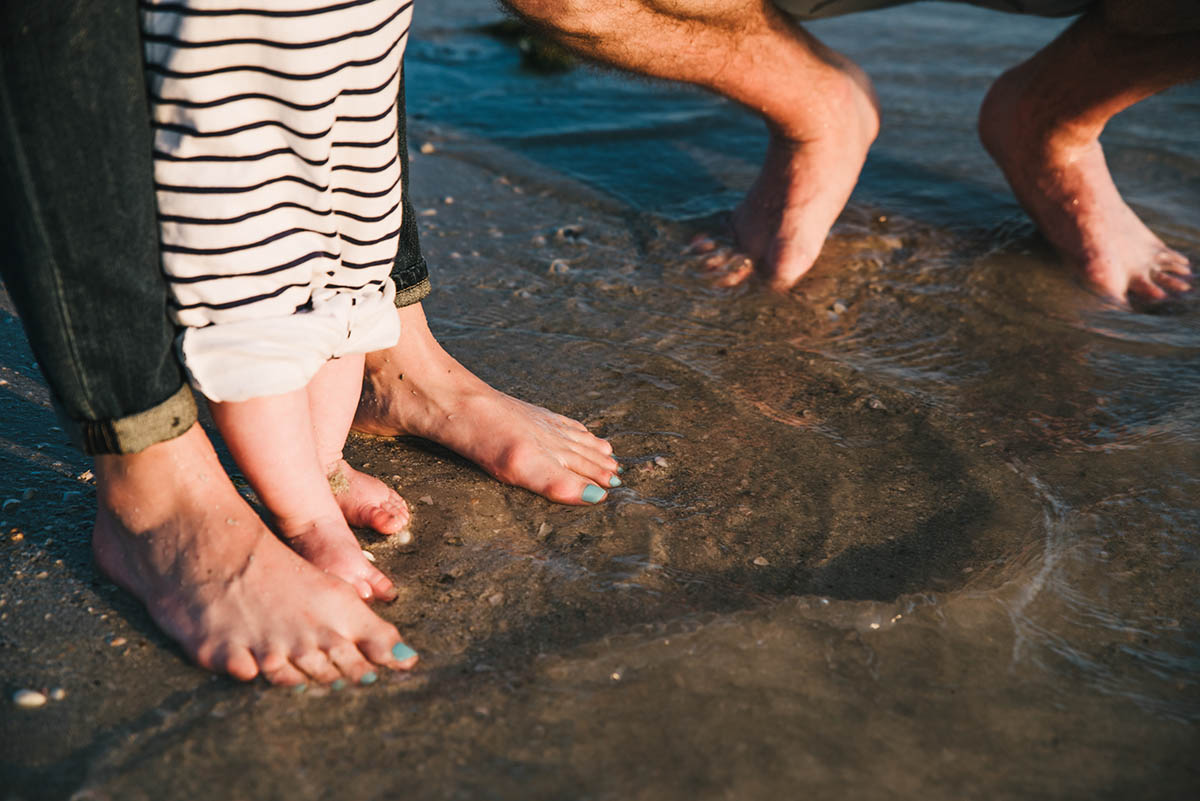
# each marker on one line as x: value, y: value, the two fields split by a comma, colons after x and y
x: 135, y: 432
x: 413, y: 294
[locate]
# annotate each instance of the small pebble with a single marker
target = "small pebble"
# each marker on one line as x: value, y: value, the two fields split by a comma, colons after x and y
x: 117, y: 642
x: 874, y: 626
x: 428, y: 212
x: 661, y: 462
x: 17, y: 537
x: 29, y: 699
x: 839, y: 308
x: 41, y: 575
x: 761, y: 561
x: 876, y: 403
x: 58, y: 694
x: 370, y: 556
x: 86, y: 475
x: 449, y: 201
x: 544, y: 530
x: 427, y: 500
x: 427, y: 148
x: 496, y: 599
x: 558, y: 267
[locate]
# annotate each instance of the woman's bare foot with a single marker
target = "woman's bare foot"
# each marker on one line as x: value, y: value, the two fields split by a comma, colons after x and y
x: 418, y: 389
x: 806, y: 180
x: 367, y: 502
x: 172, y: 530
x: 1062, y: 180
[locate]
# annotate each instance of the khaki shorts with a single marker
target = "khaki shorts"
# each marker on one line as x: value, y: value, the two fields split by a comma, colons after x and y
x: 819, y: 9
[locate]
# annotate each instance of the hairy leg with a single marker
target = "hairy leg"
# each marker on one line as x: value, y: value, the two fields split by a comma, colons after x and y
x: 365, y: 501
x: 273, y: 440
x: 417, y: 388
x: 172, y: 529
x: 1042, y: 121
x: 819, y: 108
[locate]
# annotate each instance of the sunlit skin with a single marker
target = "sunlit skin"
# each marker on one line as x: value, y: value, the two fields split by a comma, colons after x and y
x: 1041, y: 122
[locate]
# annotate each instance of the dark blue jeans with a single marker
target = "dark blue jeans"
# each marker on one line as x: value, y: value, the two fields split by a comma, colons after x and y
x: 80, y: 253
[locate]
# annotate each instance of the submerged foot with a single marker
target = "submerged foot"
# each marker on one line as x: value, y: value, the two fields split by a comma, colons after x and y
x: 805, y: 183
x: 366, y: 502
x: 172, y: 530
x: 1062, y: 180
x: 418, y: 389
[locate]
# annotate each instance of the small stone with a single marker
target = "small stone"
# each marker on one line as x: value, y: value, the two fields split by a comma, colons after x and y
x: 876, y: 403
x: 427, y: 148
x: 58, y: 694
x: 10, y: 504
x: 428, y: 212
x: 370, y: 556
x: 41, y: 575
x: 761, y: 561
x: 403, y: 537
x: 427, y: 500
x: 874, y: 626
x: 661, y: 462
x: 449, y: 201
x: 559, y: 267
x: 544, y: 530
x: 86, y: 475
x: 29, y: 699
x: 495, y: 599
x: 838, y: 308
x: 17, y: 537
x: 117, y: 642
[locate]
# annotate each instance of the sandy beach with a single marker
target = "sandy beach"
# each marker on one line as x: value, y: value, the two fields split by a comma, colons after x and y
x: 924, y: 529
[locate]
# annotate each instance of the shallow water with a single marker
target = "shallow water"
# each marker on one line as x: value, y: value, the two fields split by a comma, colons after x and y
x: 928, y: 527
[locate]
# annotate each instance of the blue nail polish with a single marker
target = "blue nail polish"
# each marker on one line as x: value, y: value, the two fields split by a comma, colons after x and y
x: 402, y: 652
x: 299, y: 688
x: 620, y: 470
x: 369, y: 677
x: 614, y: 482
x: 593, y: 494
x: 340, y: 684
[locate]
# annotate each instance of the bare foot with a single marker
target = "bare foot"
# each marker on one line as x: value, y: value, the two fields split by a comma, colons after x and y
x: 329, y: 544
x: 806, y: 181
x: 1059, y: 175
x: 172, y: 530
x: 367, y: 502
x: 418, y: 389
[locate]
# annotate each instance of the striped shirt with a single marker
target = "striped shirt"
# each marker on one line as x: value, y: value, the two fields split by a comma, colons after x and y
x: 275, y: 157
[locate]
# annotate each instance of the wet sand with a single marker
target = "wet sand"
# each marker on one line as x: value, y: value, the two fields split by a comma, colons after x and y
x: 924, y: 529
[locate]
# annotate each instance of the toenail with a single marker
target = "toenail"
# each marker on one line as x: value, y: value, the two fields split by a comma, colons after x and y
x: 368, y: 678
x: 614, y: 482
x: 593, y: 494
x: 299, y: 688
x: 402, y: 652
x: 340, y: 684
x: 620, y: 470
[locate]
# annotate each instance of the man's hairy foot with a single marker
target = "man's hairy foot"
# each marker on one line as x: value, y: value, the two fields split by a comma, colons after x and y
x: 806, y: 181
x: 1063, y: 182
x: 366, y: 502
x: 172, y: 530
x: 416, y: 388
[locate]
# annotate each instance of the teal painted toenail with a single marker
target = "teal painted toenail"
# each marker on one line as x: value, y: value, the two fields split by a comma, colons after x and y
x: 340, y: 684
x: 402, y: 651
x: 299, y: 688
x: 621, y: 470
x: 614, y: 482
x: 593, y: 494
x: 368, y: 678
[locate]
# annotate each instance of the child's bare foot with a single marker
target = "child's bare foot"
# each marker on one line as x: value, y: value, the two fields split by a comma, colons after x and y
x: 367, y: 502
x: 172, y: 530
x: 328, y: 543
x: 417, y: 388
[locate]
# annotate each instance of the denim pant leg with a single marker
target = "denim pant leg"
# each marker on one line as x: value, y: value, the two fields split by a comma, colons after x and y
x: 410, y: 273
x: 80, y: 256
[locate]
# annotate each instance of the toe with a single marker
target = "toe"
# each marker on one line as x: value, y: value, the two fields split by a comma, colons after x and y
x: 240, y: 664
x: 315, y: 664
x: 277, y: 669
x: 382, y: 588
x: 1144, y: 288
x: 383, y: 646
x: 1172, y: 283
x: 349, y: 661
x: 391, y: 517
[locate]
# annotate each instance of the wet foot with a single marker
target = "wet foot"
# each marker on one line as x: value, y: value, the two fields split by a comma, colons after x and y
x: 366, y: 502
x: 328, y: 543
x: 805, y: 182
x: 1061, y: 178
x: 418, y: 389
x: 172, y: 530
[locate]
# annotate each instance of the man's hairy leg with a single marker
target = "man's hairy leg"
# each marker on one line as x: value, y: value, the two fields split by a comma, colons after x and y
x: 1042, y: 121
x: 819, y: 108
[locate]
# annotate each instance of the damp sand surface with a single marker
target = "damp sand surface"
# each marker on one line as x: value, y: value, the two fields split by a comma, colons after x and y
x: 926, y: 528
